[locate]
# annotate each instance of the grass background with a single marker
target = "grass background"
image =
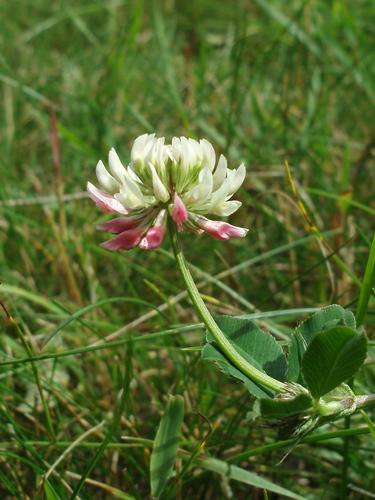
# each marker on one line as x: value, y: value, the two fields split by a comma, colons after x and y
x: 264, y: 81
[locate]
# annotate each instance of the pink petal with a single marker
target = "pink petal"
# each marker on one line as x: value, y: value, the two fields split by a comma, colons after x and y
x: 119, y: 225
x: 221, y: 230
x: 179, y: 212
x: 153, y: 238
x: 105, y: 201
x: 125, y: 240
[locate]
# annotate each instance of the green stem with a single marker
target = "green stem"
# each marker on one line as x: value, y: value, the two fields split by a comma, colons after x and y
x: 313, y: 438
x: 364, y: 297
x: 367, y: 284
x: 225, y: 346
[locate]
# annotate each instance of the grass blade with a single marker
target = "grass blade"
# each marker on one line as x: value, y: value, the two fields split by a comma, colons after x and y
x: 244, y: 476
x: 367, y: 285
x: 165, y: 445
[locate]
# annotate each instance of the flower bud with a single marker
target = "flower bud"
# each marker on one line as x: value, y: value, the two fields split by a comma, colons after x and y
x: 178, y: 211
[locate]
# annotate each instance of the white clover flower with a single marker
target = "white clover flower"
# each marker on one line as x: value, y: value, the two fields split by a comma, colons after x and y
x: 181, y: 179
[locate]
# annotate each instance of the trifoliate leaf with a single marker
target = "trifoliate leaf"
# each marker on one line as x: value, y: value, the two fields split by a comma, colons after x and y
x: 324, y: 319
x: 256, y: 346
x: 332, y: 357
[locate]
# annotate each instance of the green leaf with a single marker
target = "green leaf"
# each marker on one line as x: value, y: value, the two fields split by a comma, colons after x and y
x: 256, y: 346
x: 332, y: 357
x: 50, y: 492
x: 165, y: 445
x: 324, y: 319
x: 244, y: 476
x: 283, y: 408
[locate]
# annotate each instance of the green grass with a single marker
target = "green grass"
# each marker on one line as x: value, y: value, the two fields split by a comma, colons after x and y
x: 264, y: 81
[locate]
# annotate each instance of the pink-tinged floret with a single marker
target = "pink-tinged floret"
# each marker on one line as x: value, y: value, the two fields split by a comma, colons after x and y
x: 179, y: 212
x: 153, y: 238
x: 126, y: 240
x: 221, y: 230
x: 105, y: 201
x: 119, y: 225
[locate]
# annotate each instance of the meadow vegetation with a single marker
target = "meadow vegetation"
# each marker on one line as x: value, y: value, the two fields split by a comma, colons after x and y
x: 264, y: 81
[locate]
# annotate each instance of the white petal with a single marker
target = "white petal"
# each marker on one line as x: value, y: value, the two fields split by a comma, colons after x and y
x: 123, y: 198
x: 220, y: 172
x: 220, y: 194
x: 138, y: 146
x: 133, y: 187
x: 168, y: 153
x: 238, y: 178
x: 106, y: 181
x: 156, y: 156
x: 186, y: 154
x: 176, y: 149
x: 142, y: 146
x: 202, y: 190
x: 133, y: 175
x: 196, y: 152
x: 115, y: 166
x: 227, y: 208
x: 149, y: 148
x: 205, y: 183
x: 208, y: 154
x: 129, y: 200
x: 160, y: 191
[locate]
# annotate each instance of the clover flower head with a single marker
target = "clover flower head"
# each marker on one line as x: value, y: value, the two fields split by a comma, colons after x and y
x: 181, y: 180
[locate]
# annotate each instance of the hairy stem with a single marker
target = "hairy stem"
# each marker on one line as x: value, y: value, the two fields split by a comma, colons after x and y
x: 365, y: 401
